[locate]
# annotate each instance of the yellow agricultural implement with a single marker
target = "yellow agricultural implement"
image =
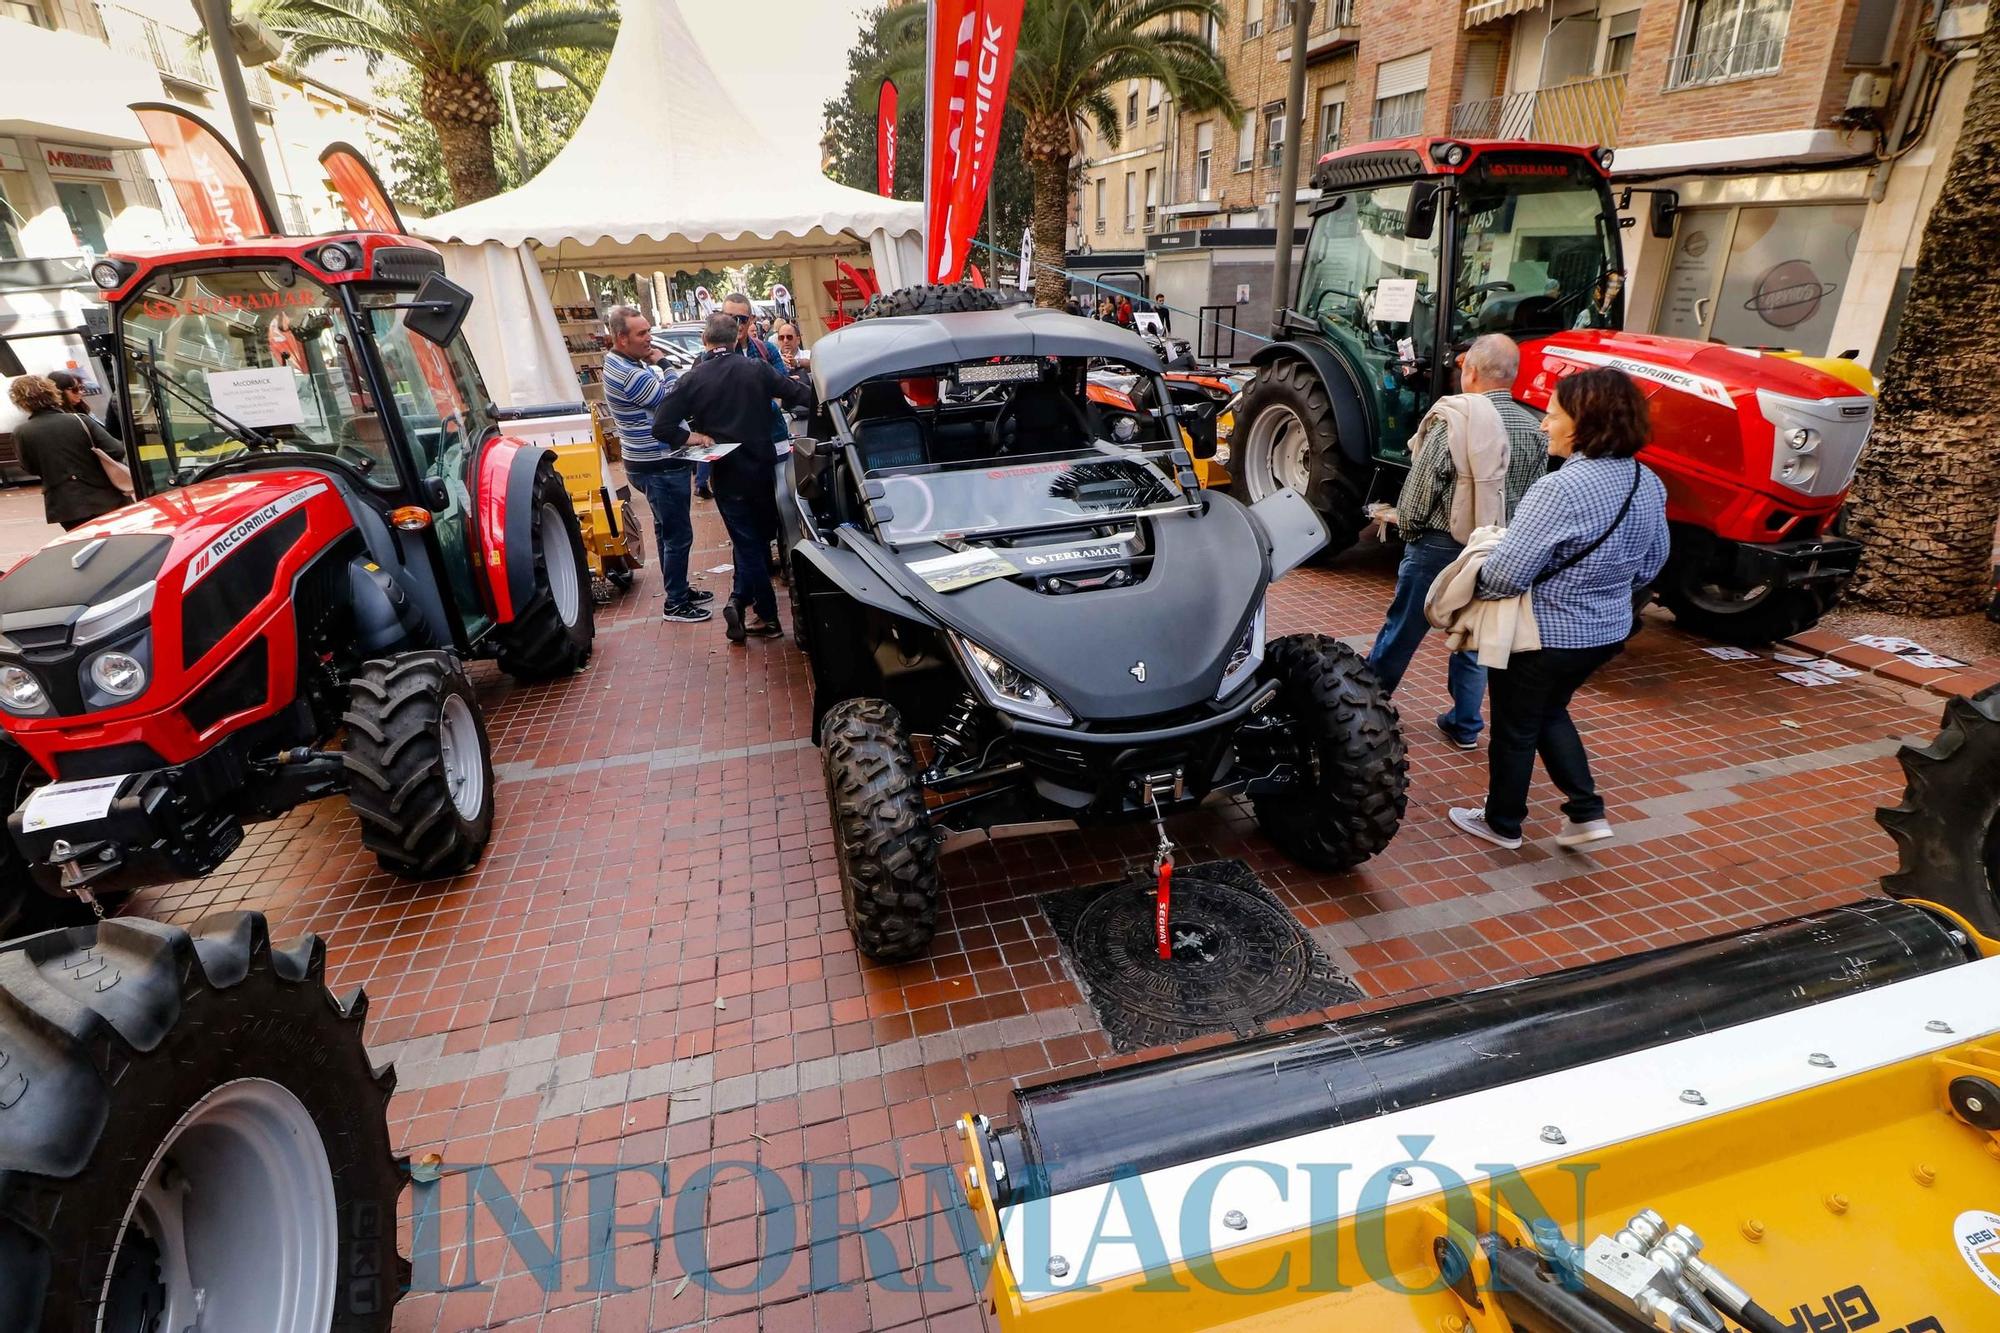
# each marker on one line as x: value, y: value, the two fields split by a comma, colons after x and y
x: 1795, y: 1127
x: 612, y: 538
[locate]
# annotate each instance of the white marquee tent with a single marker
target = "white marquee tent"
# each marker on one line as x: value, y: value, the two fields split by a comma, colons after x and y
x: 664, y: 173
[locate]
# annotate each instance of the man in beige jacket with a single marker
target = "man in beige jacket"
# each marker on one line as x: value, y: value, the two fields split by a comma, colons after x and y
x: 1455, y: 485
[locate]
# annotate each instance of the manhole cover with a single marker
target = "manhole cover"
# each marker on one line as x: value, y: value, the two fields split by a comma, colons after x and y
x: 1239, y: 958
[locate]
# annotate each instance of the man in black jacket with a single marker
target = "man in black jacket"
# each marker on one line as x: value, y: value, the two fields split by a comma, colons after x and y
x: 727, y: 399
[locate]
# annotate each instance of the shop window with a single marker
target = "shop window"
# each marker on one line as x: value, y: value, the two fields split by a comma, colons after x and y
x: 1729, y: 39
x: 1760, y: 276
x: 87, y: 207
x: 10, y: 220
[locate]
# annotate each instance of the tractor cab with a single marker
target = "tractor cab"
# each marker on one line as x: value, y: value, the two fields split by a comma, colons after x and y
x: 337, y: 354
x: 1419, y: 246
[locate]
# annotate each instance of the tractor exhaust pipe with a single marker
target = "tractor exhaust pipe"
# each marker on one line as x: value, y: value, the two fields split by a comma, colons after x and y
x: 1083, y: 1131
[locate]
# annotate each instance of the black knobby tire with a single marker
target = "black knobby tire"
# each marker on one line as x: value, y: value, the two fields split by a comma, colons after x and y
x: 1688, y: 588
x: 1356, y: 804
x: 115, y: 1034
x: 1947, y: 826
x: 1335, y: 486
x: 881, y: 832
x: 402, y: 762
x: 19, y: 890
x: 552, y: 635
x: 936, y: 298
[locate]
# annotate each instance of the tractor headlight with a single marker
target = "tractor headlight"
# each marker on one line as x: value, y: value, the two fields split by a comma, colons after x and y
x: 336, y: 258
x: 1009, y: 689
x: 20, y: 692
x: 1797, y: 471
x: 120, y: 675
x: 1802, y: 438
x: 1249, y: 655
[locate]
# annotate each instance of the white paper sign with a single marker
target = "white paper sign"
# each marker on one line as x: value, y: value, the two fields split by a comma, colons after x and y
x: 1838, y: 670
x: 1395, y: 300
x: 1731, y: 654
x: 1243, y: 293
x: 265, y: 397
x: 62, y: 803
x: 1806, y: 677
x: 1931, y: 661
x: 1888, y: 643
x: 1794, y: 659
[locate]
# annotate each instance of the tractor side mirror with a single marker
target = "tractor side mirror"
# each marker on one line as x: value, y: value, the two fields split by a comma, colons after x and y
x: 439, y: 310
x: 1421, y: 219
x: 1666, y: 211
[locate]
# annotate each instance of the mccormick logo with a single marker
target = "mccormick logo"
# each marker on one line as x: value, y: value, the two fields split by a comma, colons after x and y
x: 211, y: 555
x: 1698, y: 386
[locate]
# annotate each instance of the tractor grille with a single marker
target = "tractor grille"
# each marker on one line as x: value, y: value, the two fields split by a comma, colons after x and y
x: 242, y: 684
x: 405, y: 265
x: 1369, y: 169
x: 220, y: 602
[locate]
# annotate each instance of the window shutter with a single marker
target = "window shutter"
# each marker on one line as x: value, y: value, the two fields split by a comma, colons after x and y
x: 1204, y: 137
x: 1410, y: 74
x: 1482, y: 69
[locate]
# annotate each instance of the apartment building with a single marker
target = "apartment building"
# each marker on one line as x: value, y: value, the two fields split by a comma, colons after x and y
x: 76, y: 177
x: 1120, y: 186
x: 1763, y: 116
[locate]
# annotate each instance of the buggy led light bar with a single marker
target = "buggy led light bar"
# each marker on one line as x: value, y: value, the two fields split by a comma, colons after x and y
x: 1002, y: 372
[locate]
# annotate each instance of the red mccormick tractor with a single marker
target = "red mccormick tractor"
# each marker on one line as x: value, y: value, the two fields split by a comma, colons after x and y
x: 1420, y: 245
x: 329, y: 525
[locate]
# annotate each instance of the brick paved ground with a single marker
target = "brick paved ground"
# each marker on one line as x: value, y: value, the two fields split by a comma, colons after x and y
x: 651, y: 967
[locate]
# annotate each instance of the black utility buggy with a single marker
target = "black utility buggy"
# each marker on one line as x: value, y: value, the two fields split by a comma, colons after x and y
x: 1023, y: 612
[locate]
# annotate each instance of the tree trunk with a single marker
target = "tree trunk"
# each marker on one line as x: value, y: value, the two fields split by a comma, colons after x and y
x: 463, y: 109
x: 1927, y: 493
x: 1048, y: 148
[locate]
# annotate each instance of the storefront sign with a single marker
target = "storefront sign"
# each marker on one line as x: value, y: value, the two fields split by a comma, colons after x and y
x: 78, y: 161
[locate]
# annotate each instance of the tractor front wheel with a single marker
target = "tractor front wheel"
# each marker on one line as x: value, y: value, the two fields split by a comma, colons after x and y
x: 1701, y: 588
x: 1285, y: 437
x: 191, y: 1124
x: 1356, y: 774
x: 553, y: 634
x: 881, y: 832
x: 1947, y: 826
x: 419, y: 768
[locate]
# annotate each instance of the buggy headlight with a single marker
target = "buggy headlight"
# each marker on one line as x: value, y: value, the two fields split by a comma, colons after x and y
x: 120, y: 675
x: 20, y: 692
x: 1249, y: 655
x: 1009, y: 689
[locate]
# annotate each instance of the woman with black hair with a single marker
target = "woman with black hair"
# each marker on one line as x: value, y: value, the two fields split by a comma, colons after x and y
x: 1585, y: 539
x: 67, y: 451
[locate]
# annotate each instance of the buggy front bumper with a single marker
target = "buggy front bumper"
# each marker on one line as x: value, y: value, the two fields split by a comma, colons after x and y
x: 1104, y: 773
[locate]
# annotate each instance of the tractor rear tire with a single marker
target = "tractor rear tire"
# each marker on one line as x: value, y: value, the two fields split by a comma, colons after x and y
x: 935, y: 298
x: 882, y: 836
x: 1947, y: 826
x: 190, y: 1109
x: 553, y: 634
x: 419, y: 767
x: 1289, y: 397
x: 1356, y: 803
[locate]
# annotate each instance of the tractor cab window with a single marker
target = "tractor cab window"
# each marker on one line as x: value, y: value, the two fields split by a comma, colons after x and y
x: 1536, y: 253
x: 224, y: 363
x: 1372, y: 289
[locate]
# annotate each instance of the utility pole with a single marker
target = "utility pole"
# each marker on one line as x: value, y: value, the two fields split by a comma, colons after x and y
x: 229, y: 72
x: 1288, y: 164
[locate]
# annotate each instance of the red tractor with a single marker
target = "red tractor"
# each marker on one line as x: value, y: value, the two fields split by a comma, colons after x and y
x: 330, y: 524
x: 1420, y: 245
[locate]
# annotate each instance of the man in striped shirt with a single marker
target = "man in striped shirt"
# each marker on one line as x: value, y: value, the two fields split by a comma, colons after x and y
x: 634, y: 384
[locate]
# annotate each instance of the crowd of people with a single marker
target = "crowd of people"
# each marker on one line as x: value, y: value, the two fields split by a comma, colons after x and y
x: 1529, y: 541
x: 711, y: 432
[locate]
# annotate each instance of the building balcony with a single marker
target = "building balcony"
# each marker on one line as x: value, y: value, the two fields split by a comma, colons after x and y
x: 1723, y: 64
x: 1402, y: 123
x: 172, y: 52
x: 1333, y: 31
x: 1585, y: 112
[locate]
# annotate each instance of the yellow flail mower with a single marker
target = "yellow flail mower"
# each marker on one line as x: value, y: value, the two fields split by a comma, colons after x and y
x: 1795, y: 1127
x: 612, y: 539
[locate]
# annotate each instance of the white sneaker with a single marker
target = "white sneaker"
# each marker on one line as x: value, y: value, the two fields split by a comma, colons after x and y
x: 1474, y: 822
x: 1576, y: 835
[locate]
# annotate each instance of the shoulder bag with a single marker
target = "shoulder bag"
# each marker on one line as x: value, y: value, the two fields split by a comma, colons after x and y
x: 115, y: 472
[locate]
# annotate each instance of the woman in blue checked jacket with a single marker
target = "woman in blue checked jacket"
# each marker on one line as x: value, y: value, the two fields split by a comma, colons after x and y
x: 1585, y: 538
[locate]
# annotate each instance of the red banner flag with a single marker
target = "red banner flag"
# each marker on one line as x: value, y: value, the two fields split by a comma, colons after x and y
x: 215, y: 189
x: 971, y: 59
x: 885, y: 139
x: 368, y: 205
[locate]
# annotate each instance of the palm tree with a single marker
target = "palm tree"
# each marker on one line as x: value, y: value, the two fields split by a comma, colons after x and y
x: 454, y: 46
x: 1928, y: 489
x: 1071, y: 57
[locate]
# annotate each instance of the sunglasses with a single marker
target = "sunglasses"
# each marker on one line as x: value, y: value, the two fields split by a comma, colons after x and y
x: 741, y: 319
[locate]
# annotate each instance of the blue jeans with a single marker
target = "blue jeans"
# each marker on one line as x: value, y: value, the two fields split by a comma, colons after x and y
x: 668, y: 487
x: 701, y: 471
x: 752, y: 521
x: 1424, y: 558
